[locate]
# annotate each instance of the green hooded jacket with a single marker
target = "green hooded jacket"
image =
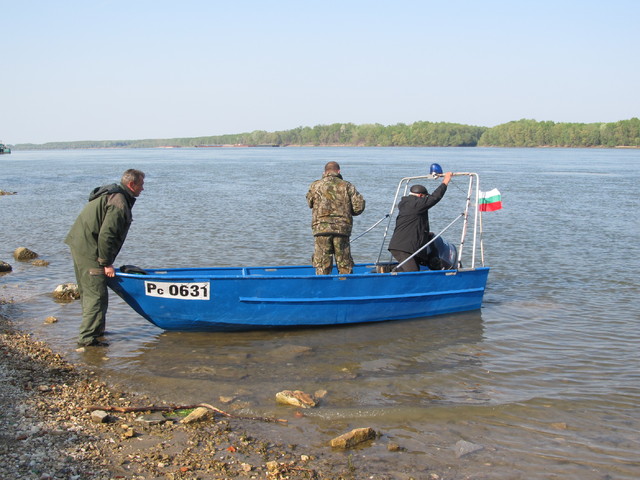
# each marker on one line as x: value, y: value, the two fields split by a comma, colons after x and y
x: 102, y: 226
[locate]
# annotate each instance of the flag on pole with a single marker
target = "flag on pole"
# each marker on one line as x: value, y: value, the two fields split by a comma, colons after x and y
x: 490, y: 201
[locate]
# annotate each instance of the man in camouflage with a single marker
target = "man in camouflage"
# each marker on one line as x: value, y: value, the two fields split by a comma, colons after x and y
x: 334, y: 202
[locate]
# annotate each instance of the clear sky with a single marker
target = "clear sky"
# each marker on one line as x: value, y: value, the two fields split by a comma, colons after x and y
x: 134, y: 69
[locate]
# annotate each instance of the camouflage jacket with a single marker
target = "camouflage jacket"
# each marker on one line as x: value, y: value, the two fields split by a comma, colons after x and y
x: 334, y: 202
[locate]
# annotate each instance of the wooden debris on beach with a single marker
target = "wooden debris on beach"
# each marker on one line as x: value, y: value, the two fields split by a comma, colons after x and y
x: 198, y: 414
x: 172, y: 408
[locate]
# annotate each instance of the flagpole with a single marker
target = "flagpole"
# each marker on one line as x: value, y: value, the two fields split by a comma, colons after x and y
x: 476, y: 214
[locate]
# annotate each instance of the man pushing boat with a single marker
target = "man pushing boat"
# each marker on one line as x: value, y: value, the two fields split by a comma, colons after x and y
x: 95, y: 239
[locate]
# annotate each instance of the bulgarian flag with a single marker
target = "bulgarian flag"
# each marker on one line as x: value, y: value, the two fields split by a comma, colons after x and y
x: 490, y: 201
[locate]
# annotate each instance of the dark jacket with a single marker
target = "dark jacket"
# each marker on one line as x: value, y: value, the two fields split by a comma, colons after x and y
x: 102, y: 226
x: 334, y: 202
x: 412, y: 223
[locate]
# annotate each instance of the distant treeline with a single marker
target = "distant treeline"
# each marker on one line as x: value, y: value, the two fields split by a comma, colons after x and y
x: 530, y: 133
x: 521, y: 133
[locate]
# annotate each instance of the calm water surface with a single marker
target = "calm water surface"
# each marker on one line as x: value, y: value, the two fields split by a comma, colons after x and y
x: 545, y: 376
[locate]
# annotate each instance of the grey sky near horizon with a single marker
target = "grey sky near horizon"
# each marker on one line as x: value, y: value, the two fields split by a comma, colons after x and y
x: 117, y: 70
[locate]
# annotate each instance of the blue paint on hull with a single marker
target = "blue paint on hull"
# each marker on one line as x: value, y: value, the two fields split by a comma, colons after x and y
x: 293, y: 296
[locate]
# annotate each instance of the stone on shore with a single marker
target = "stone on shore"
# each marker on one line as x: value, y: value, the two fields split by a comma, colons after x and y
x: 23, y: 253
x: 99, y: 416
x: 297, y: 398
x: 354, y: 437
x: 153, y: 418
x: 5, y: 267
x: 200, y: 413
x: 67, y: 291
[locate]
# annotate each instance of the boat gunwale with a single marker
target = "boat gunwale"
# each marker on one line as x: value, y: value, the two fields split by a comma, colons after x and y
x: 201, y: 273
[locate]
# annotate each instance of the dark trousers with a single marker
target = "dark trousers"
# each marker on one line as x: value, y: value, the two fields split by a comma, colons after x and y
x: 92, y: 284
x: 410, y: 266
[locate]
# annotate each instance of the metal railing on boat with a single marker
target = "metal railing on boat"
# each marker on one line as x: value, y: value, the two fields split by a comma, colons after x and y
x: 473, y: 190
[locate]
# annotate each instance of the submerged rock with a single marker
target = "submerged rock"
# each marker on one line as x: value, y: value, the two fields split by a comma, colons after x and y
x: 296, y: 398
x: 463, y: 448
x: 354, y: 437
x: 23, y: 253
x: 5, y: 267
x: 40, y: 263
x: 67, y: 291
x: 394, y: 447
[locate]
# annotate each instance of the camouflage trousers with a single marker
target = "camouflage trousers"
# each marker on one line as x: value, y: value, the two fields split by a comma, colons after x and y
x: 327, y: 246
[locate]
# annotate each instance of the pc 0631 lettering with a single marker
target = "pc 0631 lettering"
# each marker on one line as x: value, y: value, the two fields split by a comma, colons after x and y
x: 178, y: 291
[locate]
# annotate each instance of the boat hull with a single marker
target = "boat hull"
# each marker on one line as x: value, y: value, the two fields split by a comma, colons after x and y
x: 219, y: 299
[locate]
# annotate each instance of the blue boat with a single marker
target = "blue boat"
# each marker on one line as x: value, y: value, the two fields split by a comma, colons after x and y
x: 242, y: 298
x: 4, y: 149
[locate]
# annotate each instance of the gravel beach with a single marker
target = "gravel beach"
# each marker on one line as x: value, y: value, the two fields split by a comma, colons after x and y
x: 51, y: 428
x: 59, y: 421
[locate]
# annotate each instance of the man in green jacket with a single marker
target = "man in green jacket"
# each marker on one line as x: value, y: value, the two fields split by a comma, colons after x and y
x: 95, y: 240
x: 334, y: 202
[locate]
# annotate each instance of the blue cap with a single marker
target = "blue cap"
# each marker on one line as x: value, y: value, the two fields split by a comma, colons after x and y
x: 435, y: 169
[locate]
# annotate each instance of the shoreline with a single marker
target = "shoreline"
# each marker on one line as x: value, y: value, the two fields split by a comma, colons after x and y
x: 49, y: 432
x: 338, y: 145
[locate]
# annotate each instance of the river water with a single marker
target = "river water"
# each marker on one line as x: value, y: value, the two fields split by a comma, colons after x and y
x: 545, y: 377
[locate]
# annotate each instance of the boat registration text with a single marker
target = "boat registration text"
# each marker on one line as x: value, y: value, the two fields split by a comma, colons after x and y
x: 178, y: 291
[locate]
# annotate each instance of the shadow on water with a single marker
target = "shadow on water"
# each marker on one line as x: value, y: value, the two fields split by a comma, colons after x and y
x: 364, y: 366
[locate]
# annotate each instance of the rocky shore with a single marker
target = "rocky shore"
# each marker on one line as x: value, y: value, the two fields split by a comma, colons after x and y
x: 59, y: 421
x: 52, y: 427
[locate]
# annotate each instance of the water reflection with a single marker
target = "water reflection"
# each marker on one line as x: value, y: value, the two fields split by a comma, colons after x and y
x: 368, y: 366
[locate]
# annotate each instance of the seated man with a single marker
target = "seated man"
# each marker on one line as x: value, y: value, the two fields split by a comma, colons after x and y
x: 412, y: 224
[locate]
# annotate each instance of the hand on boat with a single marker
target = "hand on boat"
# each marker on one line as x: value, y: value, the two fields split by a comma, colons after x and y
x: 447, y: 178
x: 110, y: 271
